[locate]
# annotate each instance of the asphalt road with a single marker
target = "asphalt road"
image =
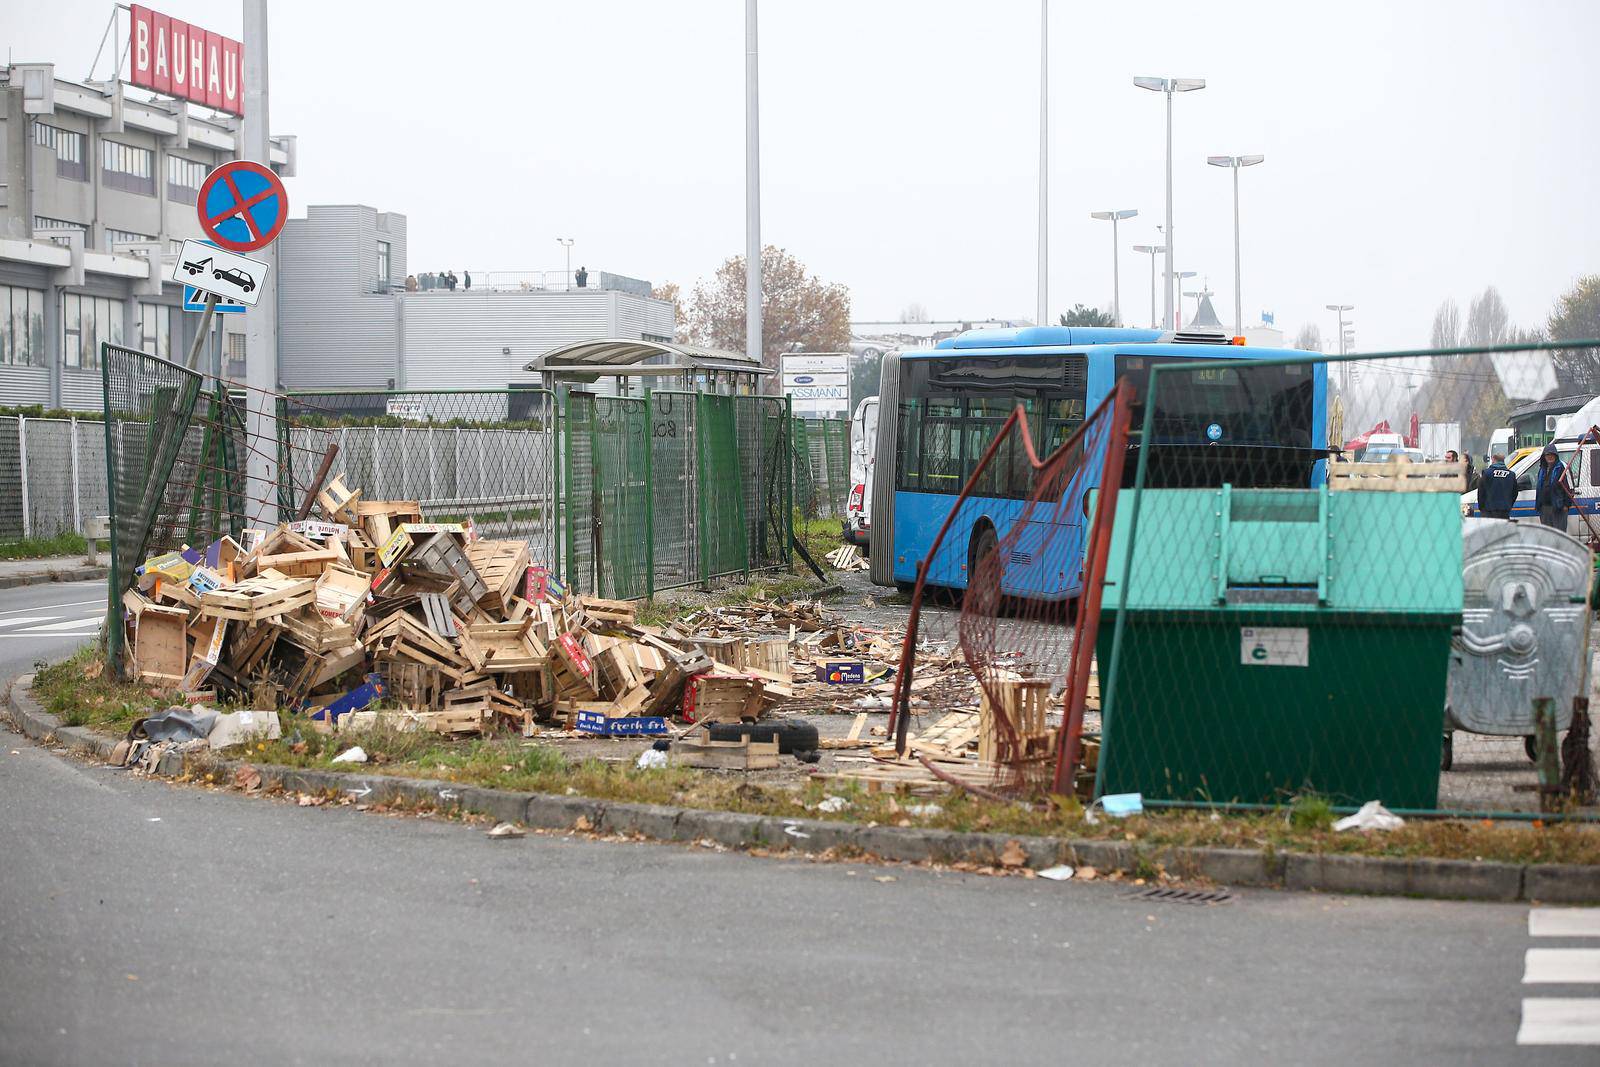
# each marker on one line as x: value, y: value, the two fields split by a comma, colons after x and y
x: 47, y: 622
x: 144, y: 922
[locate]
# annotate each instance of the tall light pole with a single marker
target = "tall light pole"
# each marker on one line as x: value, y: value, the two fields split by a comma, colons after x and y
x: 1234, y: 163
x: 1044, y: 164
x: 1115, y: 217
x: 752, y: 188
x: 567, y: 242
x: 1169, y: 86
x: 261, y: 325
x: 1178, y: 277
x: 1344, y: 368
x: 1152, y: 251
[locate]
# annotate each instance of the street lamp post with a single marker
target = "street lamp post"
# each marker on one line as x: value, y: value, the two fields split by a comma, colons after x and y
x: 1234, y: 163
x: 567, y: 242
x: 1344, y: 368
x: 1169, y: 86
x: 1179, y: 277
x: 1152, y: 251
x: 1043, y: 280
x: 1115, y: 217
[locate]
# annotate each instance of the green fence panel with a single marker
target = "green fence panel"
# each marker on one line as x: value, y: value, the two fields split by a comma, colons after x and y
x: 800, y: 463
x: 724, y: 541
x: 149, y: 408
x: 675, y: 540
x: 767, y: 472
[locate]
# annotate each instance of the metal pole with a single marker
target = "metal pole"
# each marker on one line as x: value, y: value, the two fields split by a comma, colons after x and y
x: 261, y: 322
x: 22, y: 469
x: 1166, y: 291
x: 1116, y: 275
x: 752, y: 187
x: 1043, y: 313
x: 1152, y: 289
x: 1238, y: 299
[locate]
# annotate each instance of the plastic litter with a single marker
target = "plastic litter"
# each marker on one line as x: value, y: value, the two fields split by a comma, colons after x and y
x: 652, y: 758
x: 923, y: 809
x: 1057, y: 874
x: 351, y: 755
x: 506, y: 829
x: 1116, y: 805
x: 1372, y: 816
x: 833, y: 804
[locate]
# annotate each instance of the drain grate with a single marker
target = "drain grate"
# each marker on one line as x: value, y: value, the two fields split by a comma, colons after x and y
x: 1182, y: 896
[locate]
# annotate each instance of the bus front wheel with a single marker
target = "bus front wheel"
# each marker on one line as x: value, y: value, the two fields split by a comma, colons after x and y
x: 985, y: 543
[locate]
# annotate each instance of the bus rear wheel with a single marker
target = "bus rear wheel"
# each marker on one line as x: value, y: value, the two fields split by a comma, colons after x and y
x: 985, y: 543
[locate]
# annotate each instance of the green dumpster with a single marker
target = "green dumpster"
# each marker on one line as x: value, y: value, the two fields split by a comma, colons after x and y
x: 1280, y: 642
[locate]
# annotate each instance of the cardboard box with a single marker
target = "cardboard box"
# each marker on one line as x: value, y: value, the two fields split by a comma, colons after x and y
x: 842, y: 672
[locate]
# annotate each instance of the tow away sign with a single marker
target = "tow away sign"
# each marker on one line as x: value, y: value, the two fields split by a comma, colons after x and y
x: 227, y: 274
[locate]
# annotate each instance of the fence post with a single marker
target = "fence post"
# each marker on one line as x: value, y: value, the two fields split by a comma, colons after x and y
x: 649, y: 499
x: 377, y: 466
x: 433, y: 440
x: 77, y: 502
x: 22, y: 457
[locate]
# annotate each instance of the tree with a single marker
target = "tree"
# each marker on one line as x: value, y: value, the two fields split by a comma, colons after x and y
x: 680, y: 317
x: 866, y: 371
x: 914, y: 312
x: 1446, y: 326
x: 1488, y: 322
x: 1084, y: 315
x: 799, y: 311
x: 1309, y: 339
x: 1576, y: 317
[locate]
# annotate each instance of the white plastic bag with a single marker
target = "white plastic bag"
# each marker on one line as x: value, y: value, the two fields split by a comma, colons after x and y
x: 1372, y: 816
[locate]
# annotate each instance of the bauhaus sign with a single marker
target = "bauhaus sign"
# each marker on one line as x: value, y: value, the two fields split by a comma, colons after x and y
x: 170, y: 56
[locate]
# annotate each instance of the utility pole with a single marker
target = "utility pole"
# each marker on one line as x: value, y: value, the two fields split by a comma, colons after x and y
x: 752, y: 187
x: 1152, y: 251
x: 1169, y: 86
x: 1043, y: 315
x: 261, y: 321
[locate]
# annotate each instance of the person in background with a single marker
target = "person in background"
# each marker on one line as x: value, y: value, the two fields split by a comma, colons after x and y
x: 1552, y: 498
x: 1472, y: 472
x: 582, y: 277
x: 428, y: 281
x: 466, y: 278
x: 1451, y: 456
x: 449, y: 280
x: 1497, y: 489
x: 411, y: 283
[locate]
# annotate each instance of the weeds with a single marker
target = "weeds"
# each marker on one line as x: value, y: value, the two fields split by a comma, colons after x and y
x: 62, y: 544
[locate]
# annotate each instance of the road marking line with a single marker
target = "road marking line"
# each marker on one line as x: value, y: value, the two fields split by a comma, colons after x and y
x: 92, y: 621
x: 1560, y: 1021
x: 54, y: 607
x: 27, y: 620
x: 1561, y: 965
x: 1564, y: 922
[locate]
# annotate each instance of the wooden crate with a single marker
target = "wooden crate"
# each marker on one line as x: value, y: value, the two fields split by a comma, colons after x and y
x: 721, y: 698
x: 266, y: 596
x: 1399, y: 476
x: 1022, y: 704
x: 161, y: 645
x: 741, y: 755
x: 502, y: 565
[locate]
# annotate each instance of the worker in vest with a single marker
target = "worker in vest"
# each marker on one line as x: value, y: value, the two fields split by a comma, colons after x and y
x: 1497, y: 489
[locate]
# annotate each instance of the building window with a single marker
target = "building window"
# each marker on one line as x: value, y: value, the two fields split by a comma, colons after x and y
x: 68, y: 147
x: 183, y: 179
x: 383, y: 266
x: 87, y: 322
x: 44, y: 222
x: 119, y: 237
x: 128, y: 167
x: 235, y: 356
x: 21, y: 326
x: 158, y: 325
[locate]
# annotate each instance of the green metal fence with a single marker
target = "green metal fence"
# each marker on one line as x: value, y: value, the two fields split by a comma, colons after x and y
x: 821, y: 467
x: 608, y: 495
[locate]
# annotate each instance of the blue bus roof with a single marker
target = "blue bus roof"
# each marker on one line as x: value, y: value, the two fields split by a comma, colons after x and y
x: 1050, y: 340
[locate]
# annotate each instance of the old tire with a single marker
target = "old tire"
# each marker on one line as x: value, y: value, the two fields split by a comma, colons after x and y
x: 791, y: 736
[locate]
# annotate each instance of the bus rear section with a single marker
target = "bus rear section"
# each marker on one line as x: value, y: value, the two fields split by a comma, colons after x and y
x: 1261, y: 428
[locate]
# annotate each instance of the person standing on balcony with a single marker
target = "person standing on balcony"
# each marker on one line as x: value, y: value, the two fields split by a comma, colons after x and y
x: 466, y: 276
x: 582, y: 277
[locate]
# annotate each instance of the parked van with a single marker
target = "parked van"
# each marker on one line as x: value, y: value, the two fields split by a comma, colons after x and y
x: 1583, y: 474
x: 863, y: 461
x: 1503, y: 441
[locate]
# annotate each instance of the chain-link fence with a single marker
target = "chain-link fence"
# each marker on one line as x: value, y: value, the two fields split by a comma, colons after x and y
x: 1321, y: 592
x: 52, y: 475
x: 608, y: 495
x: 490, y: 455
x: 822, y: 467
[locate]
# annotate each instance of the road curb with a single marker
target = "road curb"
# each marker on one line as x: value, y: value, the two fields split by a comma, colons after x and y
x: 1372, y: 875
x: 75, y: 574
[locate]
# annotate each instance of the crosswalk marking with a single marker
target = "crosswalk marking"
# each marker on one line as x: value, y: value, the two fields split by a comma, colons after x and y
x: 1560, y: 1021
x: 26, y: 620
x: 1545, y: 965
x: 49, y: 607
x: 71, y: 624
x: 1564, y: 922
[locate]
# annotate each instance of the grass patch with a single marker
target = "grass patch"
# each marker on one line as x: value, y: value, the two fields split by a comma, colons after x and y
x: 819, y: 536
x: 62, y: 544
x: 77, y: 691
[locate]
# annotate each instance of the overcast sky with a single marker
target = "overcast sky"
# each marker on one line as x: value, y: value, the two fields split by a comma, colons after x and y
x: 1414, y: 151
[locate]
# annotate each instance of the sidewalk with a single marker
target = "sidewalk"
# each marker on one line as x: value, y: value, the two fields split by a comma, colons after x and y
x: 15, y: 572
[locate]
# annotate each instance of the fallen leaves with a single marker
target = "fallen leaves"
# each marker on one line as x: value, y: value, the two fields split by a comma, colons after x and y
x: 582, y: 824
x: 1013, y: 855
x: 247, y: 778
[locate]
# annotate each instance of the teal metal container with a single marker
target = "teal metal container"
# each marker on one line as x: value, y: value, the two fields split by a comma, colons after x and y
x: 1279, y: 642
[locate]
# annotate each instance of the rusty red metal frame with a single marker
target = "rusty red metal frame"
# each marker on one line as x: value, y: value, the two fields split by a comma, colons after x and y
x: 1118, y: 402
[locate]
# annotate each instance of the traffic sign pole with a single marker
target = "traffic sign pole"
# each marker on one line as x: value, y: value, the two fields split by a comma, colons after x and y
x: 202, y: 332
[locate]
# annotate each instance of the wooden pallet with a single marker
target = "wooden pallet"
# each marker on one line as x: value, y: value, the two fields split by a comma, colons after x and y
x: 741, y: 755
x: 1022, y: 707
x: 1398, y: 476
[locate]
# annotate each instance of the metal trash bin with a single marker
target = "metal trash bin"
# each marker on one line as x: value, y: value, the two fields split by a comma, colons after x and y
x: 1280, y: 641
x: 1524, y: 628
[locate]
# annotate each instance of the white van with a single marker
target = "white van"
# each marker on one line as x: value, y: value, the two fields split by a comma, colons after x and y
x: 863, y: 461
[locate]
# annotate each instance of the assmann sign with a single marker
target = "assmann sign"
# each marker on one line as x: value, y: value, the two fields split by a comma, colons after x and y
x: 170, y: 56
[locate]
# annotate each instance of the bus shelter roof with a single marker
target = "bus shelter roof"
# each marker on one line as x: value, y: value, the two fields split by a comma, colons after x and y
x: 628, y: 356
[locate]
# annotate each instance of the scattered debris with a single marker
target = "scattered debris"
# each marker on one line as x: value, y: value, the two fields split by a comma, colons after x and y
x: 1057, y: 874
x: 355, y: 754
x: 832, y: 805
x: 847, y: 558
x: 1371, y: 816
x: 506, y: 829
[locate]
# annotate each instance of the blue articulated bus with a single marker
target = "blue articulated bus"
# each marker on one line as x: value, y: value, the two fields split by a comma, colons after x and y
x: 1265, y: 428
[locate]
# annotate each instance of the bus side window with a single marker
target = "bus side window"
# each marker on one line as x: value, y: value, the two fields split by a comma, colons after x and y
x: 941, y: 445
x: 909, y: 444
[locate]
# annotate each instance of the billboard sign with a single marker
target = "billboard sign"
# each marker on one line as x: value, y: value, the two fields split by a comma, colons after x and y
x: 818, y: 383
x: 170, y: 56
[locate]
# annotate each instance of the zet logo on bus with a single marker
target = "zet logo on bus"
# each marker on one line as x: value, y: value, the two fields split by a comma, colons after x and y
x: 1214, y: 432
